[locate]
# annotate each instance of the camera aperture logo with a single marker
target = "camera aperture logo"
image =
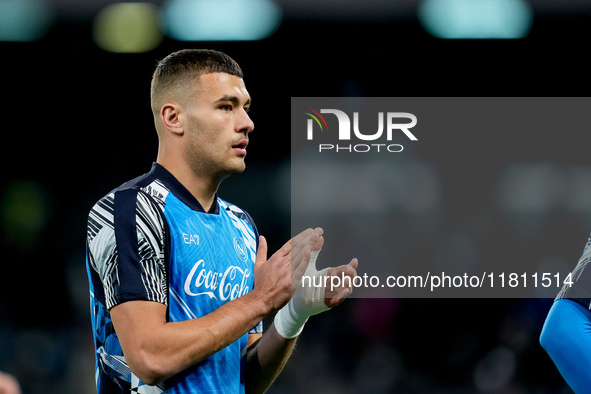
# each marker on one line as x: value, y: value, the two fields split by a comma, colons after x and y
x: 395, y: 122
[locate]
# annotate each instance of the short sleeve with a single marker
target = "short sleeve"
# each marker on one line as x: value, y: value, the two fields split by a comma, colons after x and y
x: 128, y: 250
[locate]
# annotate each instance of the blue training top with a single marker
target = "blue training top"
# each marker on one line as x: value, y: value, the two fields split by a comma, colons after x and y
x: 151, y: 240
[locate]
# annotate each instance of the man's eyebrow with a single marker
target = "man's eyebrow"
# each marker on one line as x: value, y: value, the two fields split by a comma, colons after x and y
x: 234, y: 100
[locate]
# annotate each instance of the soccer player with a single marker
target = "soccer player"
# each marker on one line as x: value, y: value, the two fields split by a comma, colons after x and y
x: 566, y: 335
x: 179, y: 278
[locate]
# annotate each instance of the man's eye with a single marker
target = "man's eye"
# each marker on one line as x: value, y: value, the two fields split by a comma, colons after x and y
x: 226, y: 107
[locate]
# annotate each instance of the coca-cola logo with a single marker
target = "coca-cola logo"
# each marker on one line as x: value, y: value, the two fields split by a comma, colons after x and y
x: 227, y: 285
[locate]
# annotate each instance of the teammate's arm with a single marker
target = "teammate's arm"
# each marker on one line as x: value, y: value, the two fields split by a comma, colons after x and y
x: 156, y: 349
x: 566, y: 337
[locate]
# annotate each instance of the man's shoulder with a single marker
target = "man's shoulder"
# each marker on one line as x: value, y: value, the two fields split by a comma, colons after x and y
x: 147, y: 185
x: 144, y: 195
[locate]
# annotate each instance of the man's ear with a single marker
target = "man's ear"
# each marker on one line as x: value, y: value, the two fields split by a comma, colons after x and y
x: 170, y: 116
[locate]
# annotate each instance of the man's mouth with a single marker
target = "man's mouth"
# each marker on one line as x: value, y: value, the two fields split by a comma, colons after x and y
x: 240, y: 147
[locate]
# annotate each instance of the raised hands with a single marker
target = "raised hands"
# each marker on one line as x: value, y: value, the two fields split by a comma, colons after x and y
x: 277, y: 278
x: 291, y: 281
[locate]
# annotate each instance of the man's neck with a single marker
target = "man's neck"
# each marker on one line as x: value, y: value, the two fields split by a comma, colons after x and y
x: 202, y: 188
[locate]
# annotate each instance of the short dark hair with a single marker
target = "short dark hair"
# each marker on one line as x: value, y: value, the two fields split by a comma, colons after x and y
x: 177, y: 67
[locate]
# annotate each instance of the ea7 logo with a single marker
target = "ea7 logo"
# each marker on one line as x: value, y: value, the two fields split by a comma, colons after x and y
x: 392, y: 120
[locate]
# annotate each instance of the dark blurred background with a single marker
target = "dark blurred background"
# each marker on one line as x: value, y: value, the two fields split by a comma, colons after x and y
x: 76, y: 123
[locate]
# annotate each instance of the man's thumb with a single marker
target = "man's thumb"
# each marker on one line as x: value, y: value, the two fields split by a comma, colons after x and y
x: 261, y: 253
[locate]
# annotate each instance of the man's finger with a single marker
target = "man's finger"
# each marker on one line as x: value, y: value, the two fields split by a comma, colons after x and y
x: 298, y: 267
x: 300, y: 254
x: 261, y: 253
x: 304, y: 239
x: 287, y: 248
x: 317, y: 245
x: 302, y: 235
x: 339, y: 298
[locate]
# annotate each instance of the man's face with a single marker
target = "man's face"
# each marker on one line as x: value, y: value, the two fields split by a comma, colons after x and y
x: 217, y: 125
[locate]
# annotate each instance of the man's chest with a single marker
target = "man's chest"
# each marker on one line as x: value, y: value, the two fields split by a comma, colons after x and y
x: 210, y: 259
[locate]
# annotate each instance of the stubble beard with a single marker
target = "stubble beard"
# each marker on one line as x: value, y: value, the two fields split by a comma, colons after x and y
x: 216, y: 170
